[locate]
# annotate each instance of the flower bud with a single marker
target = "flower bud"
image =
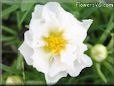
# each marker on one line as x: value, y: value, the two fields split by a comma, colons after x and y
x: 99, y: 52
x: 14, y: 80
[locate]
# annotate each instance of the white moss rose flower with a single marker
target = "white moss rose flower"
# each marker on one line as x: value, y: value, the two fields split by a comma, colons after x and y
x: 54, y: 42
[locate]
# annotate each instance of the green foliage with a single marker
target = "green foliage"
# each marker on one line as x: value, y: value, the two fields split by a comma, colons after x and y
x: 10, y: 10
x: 15, y: 18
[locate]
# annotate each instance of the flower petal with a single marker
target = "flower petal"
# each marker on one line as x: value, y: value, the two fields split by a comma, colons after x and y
x: 53, y: 80
x: 74, y: 31
x: 38, y: 30
x: 86, y: 60
x: 33, y: 41
x: 40, y: 60
x: 68, y: 56
x: 55, y: 8
x: 80, y: 51
x: 37, y: 27
x: 87, y: 23
x: 56, y: 67
x: 78, y: 66
x: 27, y: 52
x: 37, y: 14
x: 75, y: 71
x: 51, y: 19
x: 28, y: 38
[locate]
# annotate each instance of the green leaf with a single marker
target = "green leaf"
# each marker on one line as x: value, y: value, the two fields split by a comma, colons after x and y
x: 10, y: 10
x: 23, y: 17
x: 102, y: 76
x: 9, y: 69
x: 10, y: 2
x: 4, y: 38
x: 18, y: 16
x: 110, y: 59
x: 87, y: 12
x: 33, y: 82
x: 107, y: 31
x: 19, y: 62
x: 9, y: 30
x: 26, y: 13
x: 75, y: 80
x: 98, y: 27
x: 109, y: 67
x: 26, y: 6
x: 10, y: 43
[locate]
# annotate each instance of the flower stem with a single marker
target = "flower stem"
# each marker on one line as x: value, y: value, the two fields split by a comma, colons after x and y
x: 110, y: 45
x: 102, y: 76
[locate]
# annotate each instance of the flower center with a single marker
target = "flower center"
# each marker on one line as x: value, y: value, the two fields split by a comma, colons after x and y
x: 55, y: 42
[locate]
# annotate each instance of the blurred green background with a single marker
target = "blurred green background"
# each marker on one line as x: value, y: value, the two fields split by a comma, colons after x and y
x: 15, y: 18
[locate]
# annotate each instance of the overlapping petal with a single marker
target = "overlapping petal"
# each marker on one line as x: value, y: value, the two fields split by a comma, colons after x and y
x: 27, y: 52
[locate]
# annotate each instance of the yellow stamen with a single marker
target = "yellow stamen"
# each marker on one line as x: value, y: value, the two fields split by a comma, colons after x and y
x: 55, y: 42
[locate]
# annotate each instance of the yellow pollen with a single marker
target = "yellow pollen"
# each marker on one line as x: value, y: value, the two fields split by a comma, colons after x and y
x: 55, y: 42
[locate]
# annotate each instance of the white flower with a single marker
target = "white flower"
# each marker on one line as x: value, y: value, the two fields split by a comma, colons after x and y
x: 54, y: 42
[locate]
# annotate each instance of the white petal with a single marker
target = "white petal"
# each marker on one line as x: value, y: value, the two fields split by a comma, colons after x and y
x: 55, y: 8
x: 76, y: 70
x: 53, y: 80
x: 37, y: 27
x: 68, y: 55
x: 27, y: 52
x: 81, y: 62
x: 40, y: 60
x: 56, y: 67
x: 50, y: 18
x: 44, y: 14
x: 87, y: 23
x: 86, y: 60
x: 52, y: 70
x: 79, y: 66
x: 38, y: 30
x: 37, y: 14
x: 28, y: 37
x: 32, y: 40
x: 74, y: 31
x: 80, y: 51
x: 41, y: 27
